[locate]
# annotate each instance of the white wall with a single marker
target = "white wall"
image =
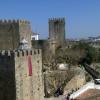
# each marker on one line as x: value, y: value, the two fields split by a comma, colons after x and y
x: 84, y: 88
x: 35, y: 37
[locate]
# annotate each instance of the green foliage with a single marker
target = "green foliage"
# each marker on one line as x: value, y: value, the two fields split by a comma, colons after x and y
x: 90, y: 53
x: 78, y: 54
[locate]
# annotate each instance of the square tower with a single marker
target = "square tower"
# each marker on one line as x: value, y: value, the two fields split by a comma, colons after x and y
x: 21, y: 76
x: 12, y: 32
x: 56, y: 32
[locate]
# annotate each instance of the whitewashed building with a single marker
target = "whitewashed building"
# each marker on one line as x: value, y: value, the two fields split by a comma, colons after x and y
x: 35, y: 36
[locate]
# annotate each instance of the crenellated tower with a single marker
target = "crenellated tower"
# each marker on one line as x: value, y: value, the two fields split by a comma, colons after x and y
x: 12, y: 32
x: 56, y: 33
x: 21, y: 75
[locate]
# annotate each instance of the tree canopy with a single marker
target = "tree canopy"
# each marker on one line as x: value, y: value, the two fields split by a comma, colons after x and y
x: 77, y: 54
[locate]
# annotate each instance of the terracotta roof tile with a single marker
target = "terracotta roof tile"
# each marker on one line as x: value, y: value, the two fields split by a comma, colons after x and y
x: 89, y: 94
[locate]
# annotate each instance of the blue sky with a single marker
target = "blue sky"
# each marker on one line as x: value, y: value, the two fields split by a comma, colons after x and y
x: 82, y: 16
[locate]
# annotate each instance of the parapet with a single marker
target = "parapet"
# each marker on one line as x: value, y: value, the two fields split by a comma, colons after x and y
x: 28, y: 52
x: 6, y: 53
x: 20, y: 53
x: 57, y: 19
x: 24, y: 22
x: 14, y: 21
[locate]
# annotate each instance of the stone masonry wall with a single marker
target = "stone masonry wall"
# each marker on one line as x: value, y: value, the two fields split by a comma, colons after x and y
x: 9, y: 36
x: 21, y: 75
x: 25, y: 31
x: 29, y: 85
x: 56, y: 33
x: 57, y: 30
x: 12, y: 32
x: 7, y: 76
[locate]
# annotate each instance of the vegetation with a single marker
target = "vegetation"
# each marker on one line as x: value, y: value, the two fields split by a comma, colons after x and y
x: 79, y: 53
x: 89, y: 51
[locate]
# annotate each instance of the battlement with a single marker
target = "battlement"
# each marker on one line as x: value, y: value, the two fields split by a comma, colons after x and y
x: 6, y: 53
x: 56, y: 19
x: 28, y: 52
x: 20, y: 53
x: 14, y: 21
x: 24, y: 22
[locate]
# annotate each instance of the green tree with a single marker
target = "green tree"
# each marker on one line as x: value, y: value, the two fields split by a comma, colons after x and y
x: 90, y: 53
x: 79, y: 53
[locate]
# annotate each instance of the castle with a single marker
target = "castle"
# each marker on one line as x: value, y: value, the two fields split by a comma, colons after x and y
x: 56, y: 37
x: 56, y: 33
x: 12, y: 32
x: 20, y: 68
x: 21, y: 75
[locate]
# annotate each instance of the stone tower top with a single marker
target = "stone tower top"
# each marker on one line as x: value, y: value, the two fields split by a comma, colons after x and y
x: 14, y: 31
x: 57, y: 19
x: 57, y: 30
x: 14, y: 21
x: 56, y: 33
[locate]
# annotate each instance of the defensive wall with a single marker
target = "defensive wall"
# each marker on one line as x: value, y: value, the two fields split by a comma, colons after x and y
x: 7, y: 76
x: 44, y: 45
x: 56, y: 33
x: 12, y: 32
x: 21, y: 75
x: 57, y: 30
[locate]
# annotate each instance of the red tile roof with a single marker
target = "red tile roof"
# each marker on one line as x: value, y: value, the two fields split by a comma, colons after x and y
x: 89, y: 95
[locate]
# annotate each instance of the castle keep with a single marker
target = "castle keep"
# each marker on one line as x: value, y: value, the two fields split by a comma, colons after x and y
x: 12, y: 32
x: 56, y: 33
x: 20, y: 68
x: 21, y: 76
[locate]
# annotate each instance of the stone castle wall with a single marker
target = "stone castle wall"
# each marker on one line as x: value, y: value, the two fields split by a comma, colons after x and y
x: 57, y: 29
x: 25, y: 31
x: 7, y: 76
x: 55, y: 79
x: 56, y: 33
x: 12, y: 31
x: 9, y: 36
x: 29, y: 82
x: 44, y: 45
x: 21, y: 75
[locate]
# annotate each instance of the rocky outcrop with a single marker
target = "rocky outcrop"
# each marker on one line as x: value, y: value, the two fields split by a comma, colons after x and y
x: 54, y: 79
x: 76, y: 82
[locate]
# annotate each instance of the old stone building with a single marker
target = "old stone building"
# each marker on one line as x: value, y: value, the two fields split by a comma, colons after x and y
x: 20, y: 67
x: 28, y: 75
x: 55, y: 39
x: 21, y: 75
x: 56, y: 33
x: 12, y: 32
